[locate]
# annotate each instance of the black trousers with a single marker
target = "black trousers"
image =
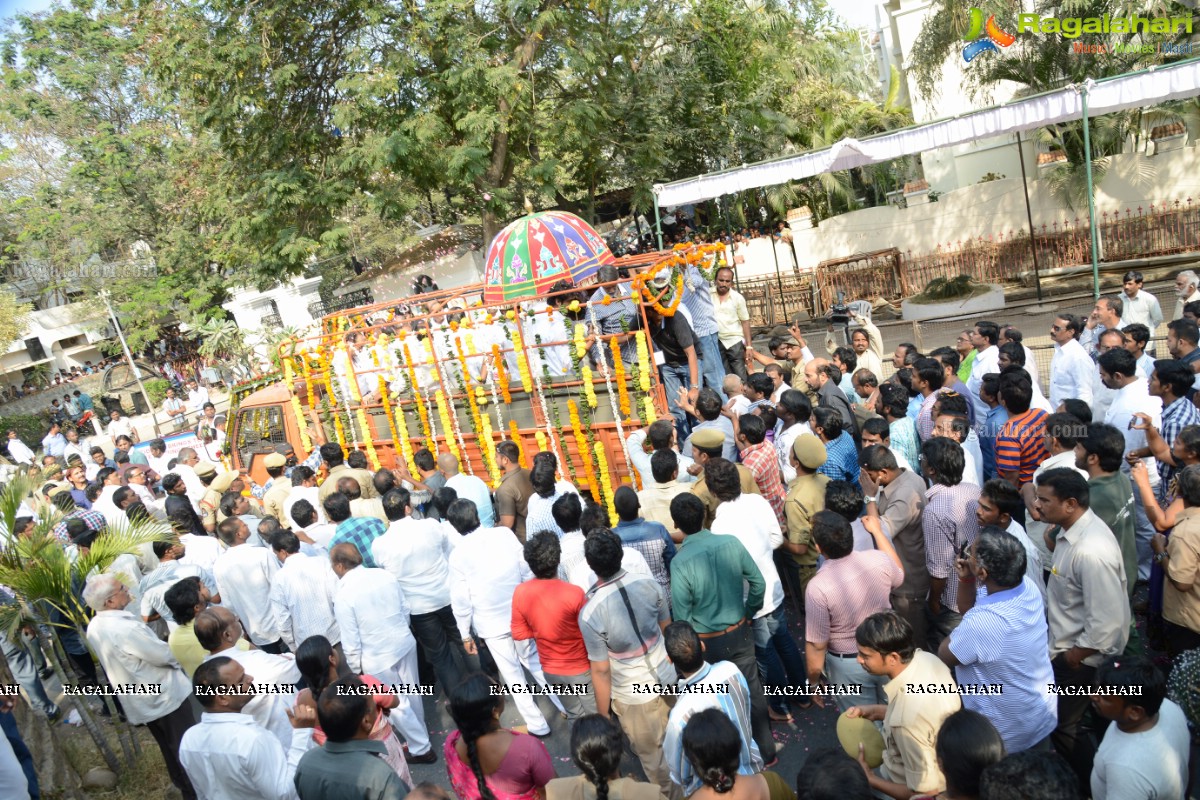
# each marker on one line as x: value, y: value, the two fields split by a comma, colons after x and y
x: 735, y: 359
x: 168, y: 732
x: 737, y: 646
x: 912, y: 609
x: 437, y: 634
x: 1079, y: 730
x: 276, y: 648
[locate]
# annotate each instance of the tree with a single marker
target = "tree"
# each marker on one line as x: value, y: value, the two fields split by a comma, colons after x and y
x: 13, y: 317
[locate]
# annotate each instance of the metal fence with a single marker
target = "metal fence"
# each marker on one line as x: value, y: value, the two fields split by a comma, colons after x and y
x: 1132, y: 232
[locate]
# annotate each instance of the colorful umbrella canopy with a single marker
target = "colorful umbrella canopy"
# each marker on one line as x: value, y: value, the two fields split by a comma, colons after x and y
x: 538, y: 250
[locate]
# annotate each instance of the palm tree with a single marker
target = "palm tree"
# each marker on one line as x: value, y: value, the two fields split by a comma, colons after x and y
x: 222, y: 339
x: 43, y: 580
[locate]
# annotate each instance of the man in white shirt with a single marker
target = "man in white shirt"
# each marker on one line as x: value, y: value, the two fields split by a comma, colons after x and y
x: 171, y: 569
x: 304, y: 519
x: 228, y: 754
x: 219, y: 632
x: 373, y: 616
x: 130, y: 653
x: 416, y: 552
x: 120, y: 426
x: 1118, y: 369
x: 304, y: 487
x: 197, y: 397
x: 750, y: 518
x: 1187, y: 290
x: 984, y: 338
x: 1071, y: 368
x: 1141, y: 307
x: 18, y: 450
x: 75, y: 447
x: 302, y: 593
x: 468, y: 487
x: 661, y: 437
x: 244, y: 574
x: 485, y: 568
x: 173, y: 408
x: 1106, y: 316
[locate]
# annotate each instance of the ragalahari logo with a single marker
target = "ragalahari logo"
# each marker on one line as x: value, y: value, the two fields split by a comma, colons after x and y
x: 992, y: 35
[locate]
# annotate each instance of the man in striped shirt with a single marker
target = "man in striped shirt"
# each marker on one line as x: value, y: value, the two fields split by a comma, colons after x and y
x: 1020, y: 445
x: 686, y: 652
x: 760, y: 458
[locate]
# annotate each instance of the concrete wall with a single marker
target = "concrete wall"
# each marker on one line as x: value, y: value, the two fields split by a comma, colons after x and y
x: 994, y: 208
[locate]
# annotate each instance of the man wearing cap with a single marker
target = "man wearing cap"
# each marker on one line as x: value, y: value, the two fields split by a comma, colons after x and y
x: 805, y: 497
x: 280, y: 488
x: 710, y: 443
x: 217, y: 485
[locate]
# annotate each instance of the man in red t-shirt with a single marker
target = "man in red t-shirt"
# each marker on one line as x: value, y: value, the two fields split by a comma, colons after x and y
x: 546, y: 610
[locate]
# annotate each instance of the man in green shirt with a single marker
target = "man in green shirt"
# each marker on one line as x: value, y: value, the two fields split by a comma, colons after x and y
x: 706, y: 591
x: 1099, y: 454
x: 350, y: 765
x: 805, y: 497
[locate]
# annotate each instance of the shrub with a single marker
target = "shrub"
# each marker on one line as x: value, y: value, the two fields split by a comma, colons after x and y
x: 156, y: 388
x: 29, y: 427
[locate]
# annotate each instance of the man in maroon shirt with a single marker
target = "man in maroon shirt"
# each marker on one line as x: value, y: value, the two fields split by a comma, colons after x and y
x: 546, y: 610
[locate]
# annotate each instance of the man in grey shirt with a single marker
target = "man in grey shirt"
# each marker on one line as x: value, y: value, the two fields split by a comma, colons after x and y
x: 895, y: 499
x: 1086, y: 605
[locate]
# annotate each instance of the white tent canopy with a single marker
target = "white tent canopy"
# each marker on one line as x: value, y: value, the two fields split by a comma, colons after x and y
x: 1145, y: 88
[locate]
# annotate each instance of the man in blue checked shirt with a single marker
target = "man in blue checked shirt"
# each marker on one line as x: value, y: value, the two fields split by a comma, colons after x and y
x: 358, y: 531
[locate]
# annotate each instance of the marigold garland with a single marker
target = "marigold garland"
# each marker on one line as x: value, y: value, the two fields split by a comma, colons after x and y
x: 606, y: 489
x: 447, y: 426
x: 402, y: 446
x: 522, y: 362
x: 327, y: 370
x: 619, y: 378
x: 580, y: 340
x: 289, y: 380
x: 540, y: 438
x: 643, y: 355
x: 551, y: 408
x: 515, y: 433
x: 649, y: 413
x: 501, y: 373
x: 490, y: 444
x: 422, y: 411
x: 581, y: 442
x: 589, y: 389
x: 473, y: 406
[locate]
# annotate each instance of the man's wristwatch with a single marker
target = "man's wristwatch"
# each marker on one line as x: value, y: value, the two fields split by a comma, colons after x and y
x: 869, y: 499
x: 1161, y: 557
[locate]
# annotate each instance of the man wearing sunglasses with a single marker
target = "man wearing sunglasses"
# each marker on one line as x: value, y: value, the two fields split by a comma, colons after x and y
x: 1071, y: 368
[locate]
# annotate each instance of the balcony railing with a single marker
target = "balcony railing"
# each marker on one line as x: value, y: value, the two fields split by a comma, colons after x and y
x: 272, y: 321
x: 359, y: 297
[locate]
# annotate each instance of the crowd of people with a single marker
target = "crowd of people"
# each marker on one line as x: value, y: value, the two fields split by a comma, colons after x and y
x: 965, y: 559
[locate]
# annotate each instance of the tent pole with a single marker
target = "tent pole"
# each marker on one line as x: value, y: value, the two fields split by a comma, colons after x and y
x: 778, y: 276
x: 732, y: 248
x: 1037, y: 277
x: 657, y: 222
x: 1091, y: 196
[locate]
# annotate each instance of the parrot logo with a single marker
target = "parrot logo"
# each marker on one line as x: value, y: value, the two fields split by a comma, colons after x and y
x: 992, y: 35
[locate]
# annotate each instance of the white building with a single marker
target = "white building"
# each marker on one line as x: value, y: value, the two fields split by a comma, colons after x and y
x: 452, y: 255
x: 948, y: 168
x: 286, y: 305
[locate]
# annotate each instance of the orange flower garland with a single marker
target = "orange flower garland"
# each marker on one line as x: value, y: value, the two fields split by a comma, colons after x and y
x: 581, y: 442
x: 422, y: 411
x: 501, y: 374
x: 515, y: 433
x: 619, y: 377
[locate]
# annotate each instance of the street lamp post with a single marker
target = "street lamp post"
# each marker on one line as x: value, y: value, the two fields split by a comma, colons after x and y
x: 137, y: 374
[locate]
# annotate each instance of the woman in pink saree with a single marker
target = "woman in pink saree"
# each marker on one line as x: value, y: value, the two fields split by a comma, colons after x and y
x: 488, y: 762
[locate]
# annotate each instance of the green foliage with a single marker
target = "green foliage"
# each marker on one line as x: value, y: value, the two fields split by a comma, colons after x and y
x: 940, y: 289
x: 30, y: 428
x: 156, y: 388
x: 13, y: 316
x: 991, y: 176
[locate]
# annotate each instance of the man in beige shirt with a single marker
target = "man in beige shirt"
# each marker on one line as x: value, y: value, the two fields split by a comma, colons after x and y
x: 655, y: 499
x: 1087, y: 606
x: 912, y: 717
x: 281, y: 487
x: 805, y: 497
x: 335, y: 461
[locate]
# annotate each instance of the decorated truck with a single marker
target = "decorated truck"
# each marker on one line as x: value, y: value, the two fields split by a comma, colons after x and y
x: 522, y: 357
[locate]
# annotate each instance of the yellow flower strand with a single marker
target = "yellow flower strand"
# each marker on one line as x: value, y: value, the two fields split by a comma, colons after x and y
x: 501, y: 374
x: 490, y: 442
x: 444, y: 415
x: 289, y: 380
x: 327, y: 371
x: 589, y: 388
x: 472, y: 405
x: 522, y: 361
x: 422, y: 411
x: 580, y: 340
x: 643, y: 354
x: 606, y: 483
x: 649, y: 413
x: 540, y: 438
